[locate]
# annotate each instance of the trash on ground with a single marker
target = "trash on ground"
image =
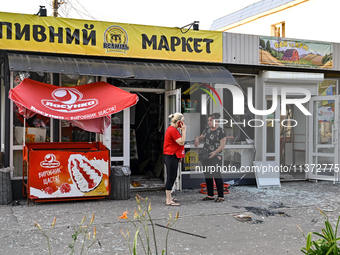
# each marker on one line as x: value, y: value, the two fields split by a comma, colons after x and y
x: 314, y: 220
x: 262, y: 211
x: 15, y: 203
x: 247, y: 218
x: 243, y: 217
x: 135, y: 184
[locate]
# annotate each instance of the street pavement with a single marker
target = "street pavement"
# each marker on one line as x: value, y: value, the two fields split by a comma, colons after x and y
x: 206, y: 227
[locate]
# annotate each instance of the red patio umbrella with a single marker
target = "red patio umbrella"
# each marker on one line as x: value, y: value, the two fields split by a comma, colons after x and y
x: 87, y: 106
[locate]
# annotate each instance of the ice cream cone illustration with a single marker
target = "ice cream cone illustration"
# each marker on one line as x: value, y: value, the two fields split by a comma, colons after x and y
x: 84, y: 174
x: 99, y: 190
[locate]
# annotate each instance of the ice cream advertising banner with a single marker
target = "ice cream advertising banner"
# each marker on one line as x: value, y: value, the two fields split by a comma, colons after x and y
x: 282, y: 52
x: 87, y: 37
x: 63, y: 174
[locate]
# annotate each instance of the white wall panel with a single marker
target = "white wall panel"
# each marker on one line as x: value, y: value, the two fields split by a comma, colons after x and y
x: 240, y: 49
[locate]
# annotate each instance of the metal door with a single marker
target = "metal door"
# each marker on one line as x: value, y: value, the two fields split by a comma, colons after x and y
x: 323, y: 150
x: 172, y: 105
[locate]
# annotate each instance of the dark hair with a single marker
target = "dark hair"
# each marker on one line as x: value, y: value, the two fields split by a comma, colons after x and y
x: 215, y: 115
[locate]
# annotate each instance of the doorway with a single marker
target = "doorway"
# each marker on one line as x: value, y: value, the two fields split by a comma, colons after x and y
x: 323, y: 139
x: 137, y: 133
x: 146, y: 135
x: 293, y: 139
x: 286, y: 137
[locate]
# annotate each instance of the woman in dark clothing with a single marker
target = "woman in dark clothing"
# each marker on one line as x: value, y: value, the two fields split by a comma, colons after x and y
x: 214, y: 138
x: 173, y: 152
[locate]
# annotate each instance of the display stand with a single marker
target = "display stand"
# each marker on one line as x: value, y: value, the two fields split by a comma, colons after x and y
x: 66, y: 171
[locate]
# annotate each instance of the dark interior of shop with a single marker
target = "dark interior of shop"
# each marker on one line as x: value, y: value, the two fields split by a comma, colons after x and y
x: 146, y: 128
x: 147, y: 133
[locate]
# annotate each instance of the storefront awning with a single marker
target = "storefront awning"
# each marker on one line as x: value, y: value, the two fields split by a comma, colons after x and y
x: 121, y: 69
x: 86, y: 106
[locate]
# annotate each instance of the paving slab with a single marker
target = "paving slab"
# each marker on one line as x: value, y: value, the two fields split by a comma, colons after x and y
x: 204, y: 227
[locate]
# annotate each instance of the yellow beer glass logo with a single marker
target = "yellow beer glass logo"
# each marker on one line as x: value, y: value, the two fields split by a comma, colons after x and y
x: 191, y: 160
x: 115, y: 40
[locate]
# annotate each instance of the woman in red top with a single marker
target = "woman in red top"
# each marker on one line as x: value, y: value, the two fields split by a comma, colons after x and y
x: 173, y: 152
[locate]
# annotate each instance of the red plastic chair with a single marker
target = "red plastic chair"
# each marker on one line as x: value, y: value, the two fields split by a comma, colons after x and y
x: 205, y: 191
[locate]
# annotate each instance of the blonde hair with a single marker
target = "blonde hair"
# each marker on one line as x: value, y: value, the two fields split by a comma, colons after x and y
x: 176, y: 117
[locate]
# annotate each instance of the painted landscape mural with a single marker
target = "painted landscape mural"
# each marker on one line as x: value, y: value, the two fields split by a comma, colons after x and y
x: 282, y: 52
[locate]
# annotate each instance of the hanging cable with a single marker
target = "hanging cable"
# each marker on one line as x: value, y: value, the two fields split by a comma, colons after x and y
x: 180, y: 28
x: 193, y: 25
x: 64, y: 12
x: 134, y: 91
x: 75, y: 9
x: 81, y: 12
x: 65, y: 8
x: 84, y: 13
x: 86, y: 10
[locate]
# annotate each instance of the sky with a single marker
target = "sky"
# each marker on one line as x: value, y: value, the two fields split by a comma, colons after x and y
x: 174, y: 13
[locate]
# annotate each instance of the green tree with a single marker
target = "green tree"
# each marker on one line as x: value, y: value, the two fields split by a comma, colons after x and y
x: 268, y: 48
x: 262, y: 44
x: 324, y: 59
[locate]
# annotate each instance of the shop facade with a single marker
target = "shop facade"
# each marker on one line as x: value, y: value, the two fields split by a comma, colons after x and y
x: 170, y: 72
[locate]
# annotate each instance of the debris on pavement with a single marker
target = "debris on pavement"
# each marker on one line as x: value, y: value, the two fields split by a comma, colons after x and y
x: 263, y: 211
x: 243, y: 217
x: 315, y: 220
x: 247, y: 218
x: 257, y: 222
x: 278, y: 205
x: 15, y: 203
